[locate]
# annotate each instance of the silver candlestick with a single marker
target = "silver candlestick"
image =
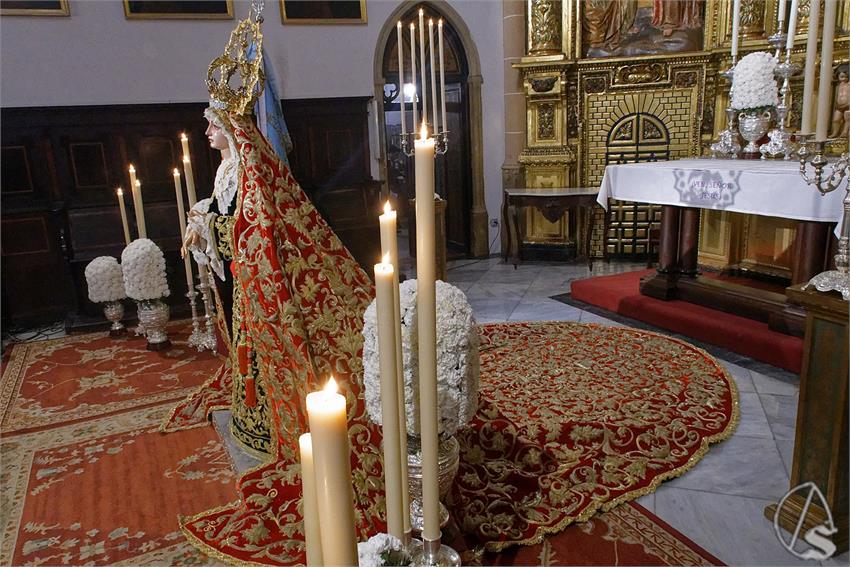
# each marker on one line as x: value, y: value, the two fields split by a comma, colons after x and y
x: 780, y: 139
x: 206, y: 338
x: 441, y: 143
x: 196, y: 339
x: 839, y: 278
x: 727, y: 145
x: 776, y: 41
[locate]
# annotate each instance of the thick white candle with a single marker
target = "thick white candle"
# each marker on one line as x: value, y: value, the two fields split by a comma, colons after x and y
x: 384, y: 294
x: 426, y: 312
x: 181, y: 217
x: 413, y: 77
x: 781, y: 14
x: 332, y: 465
x: 434, y: 113
x: 190, y: 181
x: 389, y: 245
x: 792, y: 25
x: 140, y: 209
x: 809, y: 73
x: 124, y: 224
x: 442, y: 75
x: 825, y: 84
x: 184, y: 142
x: 422, y: 65
x: 401, y: 81
x: 736, y: 25
x: 310, y: 503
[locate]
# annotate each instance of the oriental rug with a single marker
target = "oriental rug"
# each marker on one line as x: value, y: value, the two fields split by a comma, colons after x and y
x: 109, y: 491
x: 57, y: 381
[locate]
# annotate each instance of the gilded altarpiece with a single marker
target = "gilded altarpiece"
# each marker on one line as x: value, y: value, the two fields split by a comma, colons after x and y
x: 644, y: 85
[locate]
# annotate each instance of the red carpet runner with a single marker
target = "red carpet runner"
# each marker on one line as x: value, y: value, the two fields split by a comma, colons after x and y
x: 620, y: 294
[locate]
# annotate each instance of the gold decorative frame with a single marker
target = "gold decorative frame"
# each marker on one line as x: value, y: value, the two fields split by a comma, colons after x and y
x: 131, y: 15
x: 62, y: 9
x: 287, y: 18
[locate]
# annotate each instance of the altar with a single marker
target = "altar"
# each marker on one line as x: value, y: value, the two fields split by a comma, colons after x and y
x: 766, y: 188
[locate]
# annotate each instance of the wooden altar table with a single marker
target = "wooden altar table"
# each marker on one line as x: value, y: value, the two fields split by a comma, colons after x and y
x: 768, y: 188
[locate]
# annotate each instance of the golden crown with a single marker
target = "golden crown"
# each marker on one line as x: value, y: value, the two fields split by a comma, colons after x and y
x: 238, y: 60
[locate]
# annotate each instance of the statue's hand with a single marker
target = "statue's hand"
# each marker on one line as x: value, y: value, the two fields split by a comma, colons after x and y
x: 192, y: 240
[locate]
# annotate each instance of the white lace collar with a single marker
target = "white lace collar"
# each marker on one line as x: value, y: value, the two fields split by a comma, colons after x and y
x: 226, y: 183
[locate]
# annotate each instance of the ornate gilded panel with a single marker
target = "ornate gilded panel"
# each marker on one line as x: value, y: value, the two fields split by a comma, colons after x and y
x: 544, y: 18
x: 534, y: 227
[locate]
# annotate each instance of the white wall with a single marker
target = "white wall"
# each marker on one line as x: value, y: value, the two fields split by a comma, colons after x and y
x: 97, y: 56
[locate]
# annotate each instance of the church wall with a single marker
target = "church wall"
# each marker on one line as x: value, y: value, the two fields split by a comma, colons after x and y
x: 97, y: 56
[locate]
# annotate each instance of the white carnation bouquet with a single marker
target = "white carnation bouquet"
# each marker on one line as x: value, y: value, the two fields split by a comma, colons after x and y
x: 144, y: 271
x: 105, y: 283
x: 380, y: 550
x: 753, y: 85
x: 457, y: 359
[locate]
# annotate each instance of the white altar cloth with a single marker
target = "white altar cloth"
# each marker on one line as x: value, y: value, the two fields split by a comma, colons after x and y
x: 768, y: 188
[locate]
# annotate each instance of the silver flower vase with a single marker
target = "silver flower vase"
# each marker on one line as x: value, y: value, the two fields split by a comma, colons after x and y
x: 153, y: 317
x: 753, y: 127
x: 447, y: 464
x: 114, y: 312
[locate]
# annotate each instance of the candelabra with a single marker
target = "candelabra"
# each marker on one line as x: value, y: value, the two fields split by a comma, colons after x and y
x: 205, y: 339
x: 780, y: 140
x: 727, y: 142
x: 196, y: 339
x: 441, y: 142
x: 827, y: 181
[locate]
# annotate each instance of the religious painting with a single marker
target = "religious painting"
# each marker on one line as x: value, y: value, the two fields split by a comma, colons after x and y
x: 625, y: 28
x: 34, y: 8
x: 323, y: 12
x: 178, y: 9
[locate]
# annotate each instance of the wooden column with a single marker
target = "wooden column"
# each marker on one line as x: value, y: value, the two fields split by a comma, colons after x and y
x: 689, y: 241
x: 821, y: 437
x: 668, y: 253
x: 810, y: 248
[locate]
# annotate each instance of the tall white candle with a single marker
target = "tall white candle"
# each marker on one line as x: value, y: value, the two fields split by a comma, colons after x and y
x: 332, y: 465
x: 431, y: 44
x: 792, y: 25
x: 310, y: 503
x: 389, y: 246
x: 809, y: 73
x: 422, y: 65
x: 825, y: 84
x: 140, y: 210
x: 442, y: 75
x: 181, y: 216
x: 426, y: 312
x: 401, y: 81
x: 190, y: 181
x: 413, y: 78
x: 736, y: 25
x: 124, y: 224
x: 384, y: 294
x: 781, y: 14
x: 184, y: 143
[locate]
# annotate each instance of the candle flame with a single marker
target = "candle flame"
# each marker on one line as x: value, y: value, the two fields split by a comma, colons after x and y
x: 421, y: 11
x: 176, y: 173
x: 386, y: 258
x: 183, y: 137
x: 120, y: 192
x: 387, y: 208
x: 399, y: 24
x: 440, y: 23
x: 132, y: 169
x: 412, y: 26
x: 331, y: 386
x: 430, y: 21
x: 423, y: 132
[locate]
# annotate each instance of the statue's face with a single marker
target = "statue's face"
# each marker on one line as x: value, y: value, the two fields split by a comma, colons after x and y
x: 217, y: 138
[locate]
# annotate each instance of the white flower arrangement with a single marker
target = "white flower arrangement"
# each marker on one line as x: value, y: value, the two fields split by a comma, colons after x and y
x: 105, y: 283
x: 753, y: 85
x: 457, y: 359
x: 380, y: 550
x: 144, y: 271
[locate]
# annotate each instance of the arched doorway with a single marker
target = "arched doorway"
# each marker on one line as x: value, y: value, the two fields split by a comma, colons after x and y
x: 639, y: 136
x: 459, y: 176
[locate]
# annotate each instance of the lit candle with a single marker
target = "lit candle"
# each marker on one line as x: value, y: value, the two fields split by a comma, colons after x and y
x: 426, y: 312
x: 181, y: 216
x: 736, y: 24
x: 190, y: 181
x: 389, y: 246
x: 825, y: 84
x: 132, y: 171
x: 792, y: 24
x: 384, y: 296
x: 413, y: 76
x: 124, y: 223
x: 809, y: 73
x: 435, y: 114
x: 140, y: 210
x: 310, y: 504
x: 401, y: 80
x: 184, y: 142
x: 422, y: 65
x: 442, y: 74
x: 332, y: 466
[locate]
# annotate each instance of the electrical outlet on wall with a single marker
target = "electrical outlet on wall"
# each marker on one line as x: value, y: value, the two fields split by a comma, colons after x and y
x: 494, y: 223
